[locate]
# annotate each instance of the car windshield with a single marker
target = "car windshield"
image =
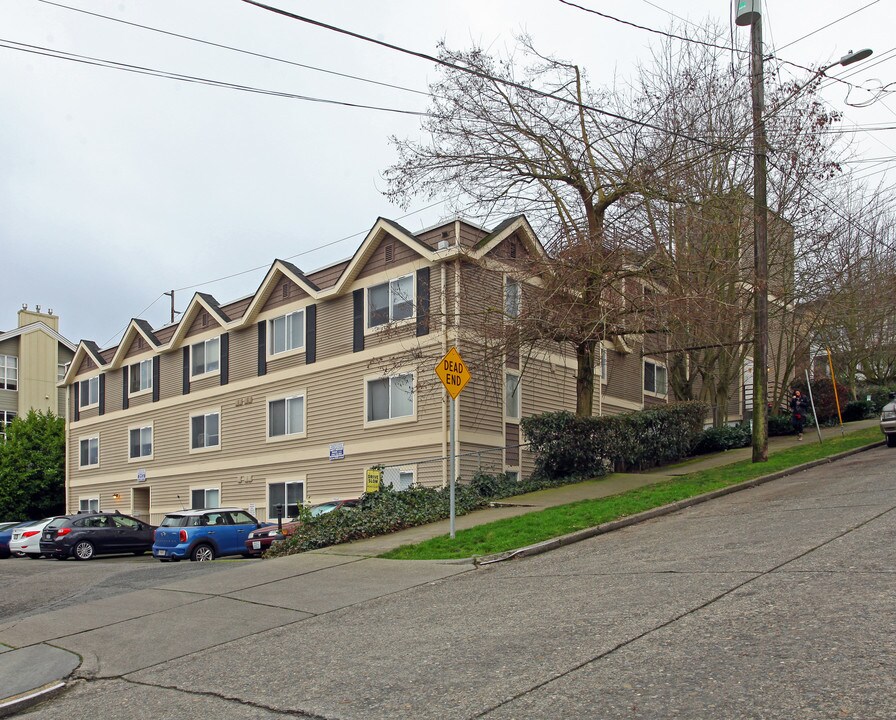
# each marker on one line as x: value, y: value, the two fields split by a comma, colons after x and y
x: 323, y: 508
x: 174, y: 521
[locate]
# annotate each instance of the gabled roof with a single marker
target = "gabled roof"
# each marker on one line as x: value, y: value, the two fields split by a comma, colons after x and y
x: 135, y: 327
x: 279, y: 268
x: 85, y: 349
x: 505, y: 230
x: 199, y: 302
x: 37, y: 327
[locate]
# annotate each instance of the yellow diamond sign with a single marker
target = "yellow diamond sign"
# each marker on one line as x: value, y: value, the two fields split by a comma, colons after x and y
x: 453, y: 373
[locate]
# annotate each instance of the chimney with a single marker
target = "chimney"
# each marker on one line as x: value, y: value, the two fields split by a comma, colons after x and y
x: 27, y: 317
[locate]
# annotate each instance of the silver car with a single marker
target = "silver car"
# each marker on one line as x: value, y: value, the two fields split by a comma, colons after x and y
x: 888, y: 421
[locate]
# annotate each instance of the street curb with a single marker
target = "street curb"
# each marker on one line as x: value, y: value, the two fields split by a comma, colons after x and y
x: 16, y: 703
x: 579, y: 535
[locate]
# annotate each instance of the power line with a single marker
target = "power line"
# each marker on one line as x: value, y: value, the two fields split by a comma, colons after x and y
x: 235, y: 49
x: 140, y: 70
x: 824, y: 27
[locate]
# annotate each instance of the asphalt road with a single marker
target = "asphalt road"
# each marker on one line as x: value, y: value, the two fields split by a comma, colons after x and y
x: 778, y: 602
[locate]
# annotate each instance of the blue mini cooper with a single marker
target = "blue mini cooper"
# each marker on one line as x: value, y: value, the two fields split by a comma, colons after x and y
x: 203, y: 535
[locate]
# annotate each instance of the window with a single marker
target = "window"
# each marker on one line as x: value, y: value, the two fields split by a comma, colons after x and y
x: 287, y: 332
x: 512, y: 396
x: 89, y: 392
x: 288, y: 494
x: 390, y: 301
x: 205, y: 357
x: 603, y: 364
x: 390, y: 398
x: 9, y: 372
x: 202, y: 498
x: 140, y: 376
x: 511, y: 298
x: 654, y: 378
x: 90, y: 452
x: 205, y: 431
x: 90, y: 504
x: 286, y: 416
x: 6, y: 417
x: 140, y: 442
x: 61, y: 369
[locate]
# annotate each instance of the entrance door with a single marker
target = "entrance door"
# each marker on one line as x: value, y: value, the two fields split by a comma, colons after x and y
x: 140, y: 503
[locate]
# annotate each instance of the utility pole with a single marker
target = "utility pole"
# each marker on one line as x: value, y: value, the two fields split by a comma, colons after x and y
x: 173, y: 311
x: 748, y: 14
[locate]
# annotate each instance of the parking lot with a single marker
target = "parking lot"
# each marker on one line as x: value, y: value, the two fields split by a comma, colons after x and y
x: 32, y: 586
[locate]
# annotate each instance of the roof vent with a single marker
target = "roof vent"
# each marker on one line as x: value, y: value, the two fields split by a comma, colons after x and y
x: 389, y: 252
x: 443, y: 244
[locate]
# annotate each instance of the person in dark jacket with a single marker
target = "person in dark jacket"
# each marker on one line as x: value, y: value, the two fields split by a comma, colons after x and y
x: 798, y: 407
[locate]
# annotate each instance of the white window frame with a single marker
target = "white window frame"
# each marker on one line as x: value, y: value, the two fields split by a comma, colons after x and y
x: 89, y: 465
x: 604, y: 363
x: 136, y: 370
x: 204, y: 414
x: 84, y: 398
x: 512, y: 312
x: 509, y: 416
x: 205, y: 490
x: 286, y: 318
x: 61, y: 370
x: 299, y: 394
x: 392, y: 321
x: 140, y: 428
x: 205, y: 372
x: 271, y: 511
x: 92, y: 502
x: 9, y: 364
x: 654, y: 393
x: 412, y: 417
x: 6, y: 417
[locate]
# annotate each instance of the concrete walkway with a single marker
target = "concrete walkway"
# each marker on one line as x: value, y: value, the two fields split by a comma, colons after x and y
x: 39, y: 652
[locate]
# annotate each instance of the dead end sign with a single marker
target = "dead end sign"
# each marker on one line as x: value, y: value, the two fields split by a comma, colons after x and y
x: 453, y: 373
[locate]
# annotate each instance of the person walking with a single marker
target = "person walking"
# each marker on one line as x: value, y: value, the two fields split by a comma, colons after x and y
x: 798, y: 407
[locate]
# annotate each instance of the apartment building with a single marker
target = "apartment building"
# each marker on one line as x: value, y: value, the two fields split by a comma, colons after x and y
x: 289, y: 395
x: 33, y: 359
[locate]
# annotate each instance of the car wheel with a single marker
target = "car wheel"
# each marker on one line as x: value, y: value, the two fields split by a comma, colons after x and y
x: 202, y: 553
x: 19, y: 554
x: 83, y: 550
x: 891, y: 440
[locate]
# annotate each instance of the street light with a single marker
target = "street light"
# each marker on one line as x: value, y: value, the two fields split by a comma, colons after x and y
x: 748, y: 13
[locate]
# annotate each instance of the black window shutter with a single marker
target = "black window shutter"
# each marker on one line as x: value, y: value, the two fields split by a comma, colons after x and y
x: 262, y: 348
x: 423, y: 301
x: 124, y: 388
x: 156, y: 378
x: 225, y: 358
x: 310, y: 334
x: 102, y: 394
x: 76, y: 410
x: 358, y: 321
x: 187, y: 370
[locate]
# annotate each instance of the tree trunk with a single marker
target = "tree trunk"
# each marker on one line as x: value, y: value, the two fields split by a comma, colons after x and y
x: 585, y: 377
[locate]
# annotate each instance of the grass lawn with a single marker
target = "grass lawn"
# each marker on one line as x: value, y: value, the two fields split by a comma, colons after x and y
x: 534, y: 527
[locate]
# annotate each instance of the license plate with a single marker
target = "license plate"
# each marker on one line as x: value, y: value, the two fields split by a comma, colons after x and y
x: 256, y: 544
x: 161, y: 552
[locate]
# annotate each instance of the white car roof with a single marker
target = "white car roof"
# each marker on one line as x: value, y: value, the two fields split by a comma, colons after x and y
x: 206, y: 510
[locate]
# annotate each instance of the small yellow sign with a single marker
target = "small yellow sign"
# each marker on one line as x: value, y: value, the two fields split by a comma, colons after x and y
x: 453, y: 373
x: 374, y: 478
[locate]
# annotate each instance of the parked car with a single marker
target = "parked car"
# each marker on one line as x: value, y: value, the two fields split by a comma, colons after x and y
x: 260, y: 540
x: 203, y: 535
x: 25, y: 541
x: 87, y: 534
x: 888, y: 421
x: 6, y: 529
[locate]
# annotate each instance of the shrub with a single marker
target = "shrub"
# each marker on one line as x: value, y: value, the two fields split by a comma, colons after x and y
x: 857, y: 410
x: 823, y: 396
x: 723, y: 438
x: 880, y: 395
x: 781, y: 425
x: 569, y: 446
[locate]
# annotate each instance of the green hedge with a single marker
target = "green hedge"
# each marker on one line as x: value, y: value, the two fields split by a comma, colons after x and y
x: 722, y: 438
x: 569, y: 446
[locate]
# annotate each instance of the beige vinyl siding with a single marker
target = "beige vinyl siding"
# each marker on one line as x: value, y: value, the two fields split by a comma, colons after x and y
x: 481, y: 403
x: 134, y: 401
x: 478, y: 457
x: 60, y: 402
x: 171, y: 374
x: 482, y: 296
x: 285, y: 362
x: 470, y: 235
x: 625, y: 378
x: 548, y: 387
x: 334, y: 327
x: 244, y: 353
x: 205, y: 383
x: 138, y: 346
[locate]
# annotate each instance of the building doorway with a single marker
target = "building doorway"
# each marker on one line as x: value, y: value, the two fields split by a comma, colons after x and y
x: 140, y: 503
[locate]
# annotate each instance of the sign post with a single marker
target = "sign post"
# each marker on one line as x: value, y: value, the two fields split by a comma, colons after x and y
x: 454, y: 376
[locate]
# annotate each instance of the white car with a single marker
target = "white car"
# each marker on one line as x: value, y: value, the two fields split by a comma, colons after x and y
x: 25, y: 540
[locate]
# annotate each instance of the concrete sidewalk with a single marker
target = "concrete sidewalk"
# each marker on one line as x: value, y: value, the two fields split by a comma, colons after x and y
x: 37, y: 653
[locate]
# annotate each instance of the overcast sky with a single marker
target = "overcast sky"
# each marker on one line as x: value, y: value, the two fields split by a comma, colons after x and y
x: 116, y: 187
